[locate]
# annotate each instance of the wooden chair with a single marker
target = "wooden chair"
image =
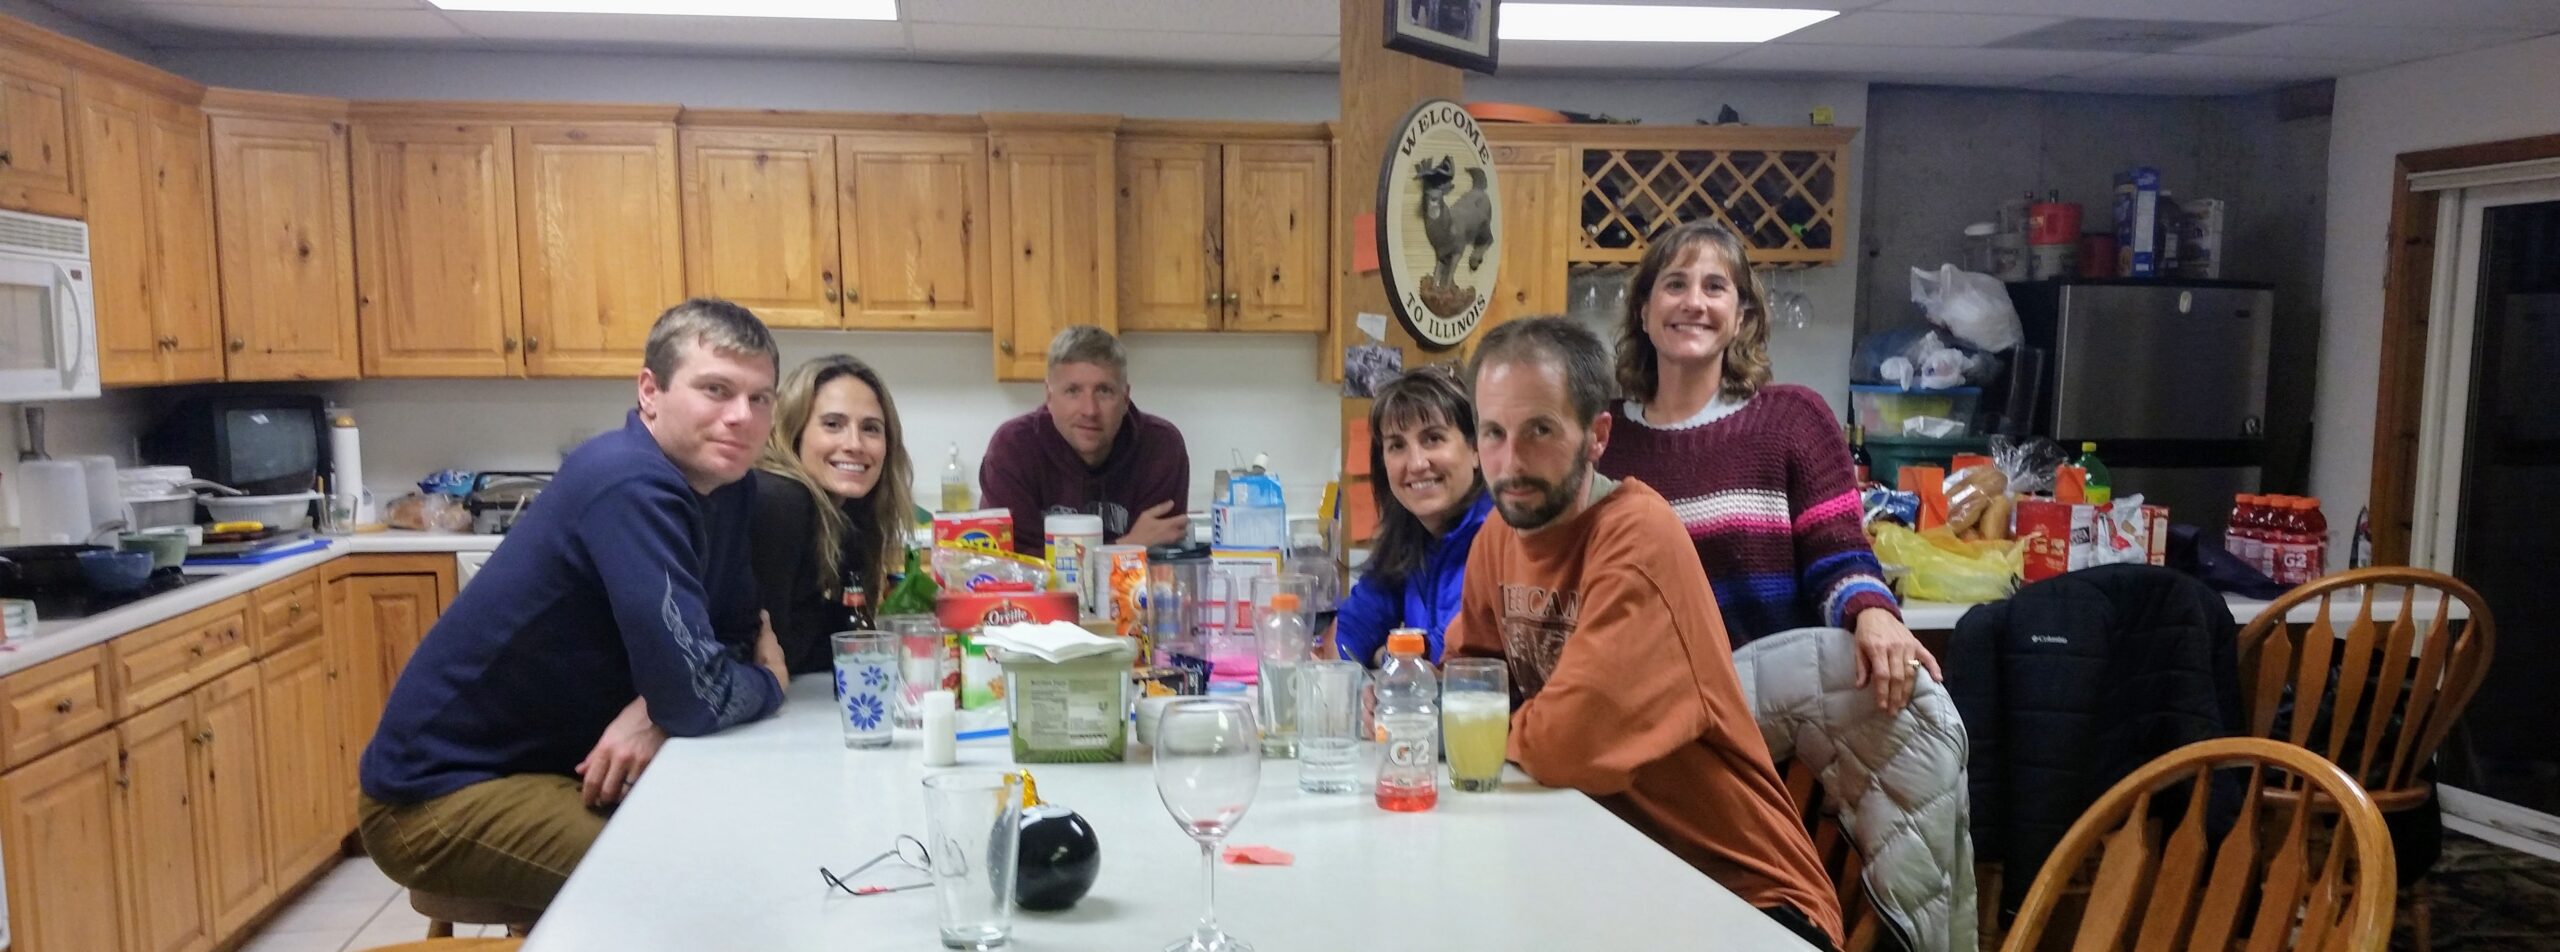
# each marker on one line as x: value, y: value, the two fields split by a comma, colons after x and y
x: 443, y: 912
x: 1840, y: 858
x: 2288, y: 874
x: 2377, y: 702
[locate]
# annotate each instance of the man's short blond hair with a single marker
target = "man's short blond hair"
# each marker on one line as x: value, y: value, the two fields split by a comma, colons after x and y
x: 1087, y: 344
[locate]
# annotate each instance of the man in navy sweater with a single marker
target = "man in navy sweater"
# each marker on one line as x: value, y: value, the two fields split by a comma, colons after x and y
x: 621, y: 610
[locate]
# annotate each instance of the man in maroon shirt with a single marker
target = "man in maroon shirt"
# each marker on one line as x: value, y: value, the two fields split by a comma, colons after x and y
x: 1089, y: 450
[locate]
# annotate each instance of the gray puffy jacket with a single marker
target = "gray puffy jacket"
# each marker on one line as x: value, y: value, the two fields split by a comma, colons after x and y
x: 1896, y: 782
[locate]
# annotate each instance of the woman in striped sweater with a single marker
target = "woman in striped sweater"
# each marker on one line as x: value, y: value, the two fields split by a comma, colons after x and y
x: 1757, y: 471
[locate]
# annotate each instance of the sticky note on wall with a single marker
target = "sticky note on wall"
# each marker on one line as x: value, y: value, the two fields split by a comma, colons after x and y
x: 1355, y: 447
x: 1360, y: 510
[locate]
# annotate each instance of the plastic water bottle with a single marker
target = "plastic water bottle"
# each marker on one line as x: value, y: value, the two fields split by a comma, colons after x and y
x: 1281, y: 636
x: 1408, y: 726
x: 956, y: 495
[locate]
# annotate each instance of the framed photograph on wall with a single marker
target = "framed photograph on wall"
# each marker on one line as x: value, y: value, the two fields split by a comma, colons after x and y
x: 1457, y: 32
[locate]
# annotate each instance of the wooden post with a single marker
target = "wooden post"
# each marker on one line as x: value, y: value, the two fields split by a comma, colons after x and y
x: 1378, y: 87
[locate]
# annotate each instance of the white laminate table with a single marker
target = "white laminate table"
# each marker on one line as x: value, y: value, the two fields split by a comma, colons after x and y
x: 719, y: 847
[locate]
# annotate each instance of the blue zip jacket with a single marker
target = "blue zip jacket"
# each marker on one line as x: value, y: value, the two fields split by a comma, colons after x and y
x: 1428, y: 598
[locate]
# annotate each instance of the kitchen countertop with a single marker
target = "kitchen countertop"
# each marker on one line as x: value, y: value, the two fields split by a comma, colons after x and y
x: 735, y: 823
x: 54, y: 639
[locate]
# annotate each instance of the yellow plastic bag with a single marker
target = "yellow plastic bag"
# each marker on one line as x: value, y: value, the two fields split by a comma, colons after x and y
x: 1935, y: 566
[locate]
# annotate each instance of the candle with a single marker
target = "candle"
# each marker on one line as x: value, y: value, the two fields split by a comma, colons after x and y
x: 941, y: 744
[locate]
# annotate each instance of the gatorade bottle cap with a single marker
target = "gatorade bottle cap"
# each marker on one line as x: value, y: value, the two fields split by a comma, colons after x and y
x: 1284, y: 601
x: 2312, y: 502
x: 2090, y: 447
x: 1405, y: 641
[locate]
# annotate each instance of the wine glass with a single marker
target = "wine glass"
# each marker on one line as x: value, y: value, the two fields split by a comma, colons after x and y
x: 1208, y: 765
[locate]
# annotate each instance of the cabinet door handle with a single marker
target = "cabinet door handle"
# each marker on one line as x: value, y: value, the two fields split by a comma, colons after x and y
x: 1005, y: 345
x: 204, y: 737
x: 532, y: 344
x: 832, y: 297
x: 62, y: 706
x: 511, y: 345
x: 6, y: 158
x: 1214, y: 298
x: 293, y: 609
x: 852, y: 296
x: 196, y: 650
x: 1232, y: 298
x: 238, y: 345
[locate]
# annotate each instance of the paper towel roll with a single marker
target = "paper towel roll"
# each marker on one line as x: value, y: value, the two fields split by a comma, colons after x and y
x: 106, y: 502
x: 346, y: 481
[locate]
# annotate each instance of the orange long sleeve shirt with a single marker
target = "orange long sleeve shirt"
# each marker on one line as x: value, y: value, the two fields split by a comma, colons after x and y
x: 1629, y: 693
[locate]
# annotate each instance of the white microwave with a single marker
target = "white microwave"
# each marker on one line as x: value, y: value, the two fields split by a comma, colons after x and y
x: 48, y: 319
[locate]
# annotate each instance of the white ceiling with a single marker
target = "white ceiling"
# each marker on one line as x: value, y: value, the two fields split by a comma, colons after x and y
x: 1952, y: 42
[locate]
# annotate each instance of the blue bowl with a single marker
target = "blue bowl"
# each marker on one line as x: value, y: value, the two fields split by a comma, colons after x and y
x: 115, y: 573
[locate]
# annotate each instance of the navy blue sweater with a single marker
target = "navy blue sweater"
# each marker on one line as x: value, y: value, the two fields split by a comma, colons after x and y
x: 620, y: 582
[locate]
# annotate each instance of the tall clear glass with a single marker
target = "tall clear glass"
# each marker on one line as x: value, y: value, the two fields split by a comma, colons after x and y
x: 973, y: 825
x: 866, y: 686
x: 1208, y: 767
x: 1329, y: 694
x: 927, y: 657
x: 1475, y: 721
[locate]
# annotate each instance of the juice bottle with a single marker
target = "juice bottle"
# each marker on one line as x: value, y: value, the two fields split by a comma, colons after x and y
x: 2293, y: 545
x: 2315, y: 527
x: 2100, y: 489
x: 1409, y: 726
x: 2234, y: 524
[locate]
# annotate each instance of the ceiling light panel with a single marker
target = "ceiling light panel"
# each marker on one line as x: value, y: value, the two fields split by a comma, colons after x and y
x: 1633, y: 23
x: 791, y: 9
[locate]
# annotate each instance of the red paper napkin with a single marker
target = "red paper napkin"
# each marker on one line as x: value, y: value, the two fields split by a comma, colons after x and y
x: 1258, y: 856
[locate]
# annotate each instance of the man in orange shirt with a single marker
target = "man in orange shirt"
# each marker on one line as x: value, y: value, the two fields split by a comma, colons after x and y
x: 1591, y: 591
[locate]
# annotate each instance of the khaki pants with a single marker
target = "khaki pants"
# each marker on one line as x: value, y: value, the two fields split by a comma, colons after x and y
x: 511, y: 840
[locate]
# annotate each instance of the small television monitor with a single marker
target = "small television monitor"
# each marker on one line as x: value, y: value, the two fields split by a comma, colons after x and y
x: 259, y: 444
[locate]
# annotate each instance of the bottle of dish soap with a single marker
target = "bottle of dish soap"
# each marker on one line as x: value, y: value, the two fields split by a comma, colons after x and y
x: 956, y: 496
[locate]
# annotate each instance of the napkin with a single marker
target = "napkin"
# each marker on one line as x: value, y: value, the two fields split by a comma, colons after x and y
x: 1053, y: 642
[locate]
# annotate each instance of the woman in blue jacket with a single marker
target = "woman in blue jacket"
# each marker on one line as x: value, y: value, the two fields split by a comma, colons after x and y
x: 1431, y: 499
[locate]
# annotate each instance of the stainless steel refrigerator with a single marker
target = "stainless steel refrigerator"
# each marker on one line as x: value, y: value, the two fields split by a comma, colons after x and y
x: 2168, y: 378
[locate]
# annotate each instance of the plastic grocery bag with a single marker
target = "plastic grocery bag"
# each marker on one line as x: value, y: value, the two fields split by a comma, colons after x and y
x: 1972, y: 305
x: 1935, y: 566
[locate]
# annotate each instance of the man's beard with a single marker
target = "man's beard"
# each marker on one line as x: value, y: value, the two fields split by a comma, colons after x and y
x: 1553, y: 499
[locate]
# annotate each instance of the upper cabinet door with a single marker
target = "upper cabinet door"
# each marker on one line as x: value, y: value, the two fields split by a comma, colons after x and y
x: 36, y: 173
x: 115, y: 155
x: 436, y: 250
x: 1171, y: 278
x: 286, y: 246
x: 914, y: 233
x: 601, y: 242
x: 1053, y: 228
x: 1534, y: 182
x: 760, y: 223
x: 1277, y: 196
x: 185, y: 295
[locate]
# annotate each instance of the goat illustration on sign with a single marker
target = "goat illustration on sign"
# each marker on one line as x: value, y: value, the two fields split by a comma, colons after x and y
x: 1464, y: 225
x: 1439, y: 222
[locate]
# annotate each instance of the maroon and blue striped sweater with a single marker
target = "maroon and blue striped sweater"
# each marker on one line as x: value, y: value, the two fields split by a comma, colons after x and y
x: 1770, y: 497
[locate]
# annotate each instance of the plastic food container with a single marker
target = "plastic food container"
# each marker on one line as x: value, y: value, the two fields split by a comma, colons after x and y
x: 1075, y: 712
x: 167, y: 509
x: 287, y: 511
x: 1881, y: 407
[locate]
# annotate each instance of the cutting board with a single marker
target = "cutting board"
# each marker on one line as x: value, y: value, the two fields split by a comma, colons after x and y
x: 261, y: 557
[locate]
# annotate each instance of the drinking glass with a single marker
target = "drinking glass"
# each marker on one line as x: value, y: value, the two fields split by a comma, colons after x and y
x: 866, y: 685
x: 1208, y: 765
x: 925, y: 662
x: 1282, y: 637
x: 1329, y: 725
x: 1475, y: 721
x: 973, y: 825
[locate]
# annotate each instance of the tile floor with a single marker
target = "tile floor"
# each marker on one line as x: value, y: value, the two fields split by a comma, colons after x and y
x: 352, y: 908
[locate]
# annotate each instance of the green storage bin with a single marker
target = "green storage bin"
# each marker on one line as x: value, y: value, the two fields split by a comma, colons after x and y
x: 1887, y: 455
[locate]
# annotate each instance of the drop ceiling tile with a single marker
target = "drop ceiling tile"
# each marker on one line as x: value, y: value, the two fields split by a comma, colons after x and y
x: 1280, y: 17
x: 1116, y: 46
x: 2187, y: 66
x: 704, y: 34
x: 2377, y: 45
x: 2151, y: 87
x: 1887, y: 28
x: 195, y: 25
x: 86, y: 5
x: 2209, y: 11
x: 2536, y: 15
x: 1823, y: 59
x: 1599, y: 57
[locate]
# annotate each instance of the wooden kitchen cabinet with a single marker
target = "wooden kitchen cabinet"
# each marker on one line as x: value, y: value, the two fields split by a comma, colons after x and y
x: 308, y: 809
x: 167, y: 907
x: 144, y: 156
x: 284, y: 237
x: 760, y: 223
x: 1537, y: 191
x: 600, y: 241
x: 377, y: 620
x: 60, y: 829
x: 1222, y: 235
x: 913, y: 230
x: 435, y: 219
x: 54, y: 703
x: 231, y: 799
x: 1052, y: 181
x: 37, y: 174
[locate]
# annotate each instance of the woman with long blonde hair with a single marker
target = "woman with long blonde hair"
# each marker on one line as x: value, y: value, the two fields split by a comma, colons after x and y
x: 834, y: 495
x: 1757, y: 471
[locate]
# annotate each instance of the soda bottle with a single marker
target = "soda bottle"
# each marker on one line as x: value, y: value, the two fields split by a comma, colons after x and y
x: 2315, y: 540
x: 955, y: 485
x: 2100, y: 489
x: 1408, y: 726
